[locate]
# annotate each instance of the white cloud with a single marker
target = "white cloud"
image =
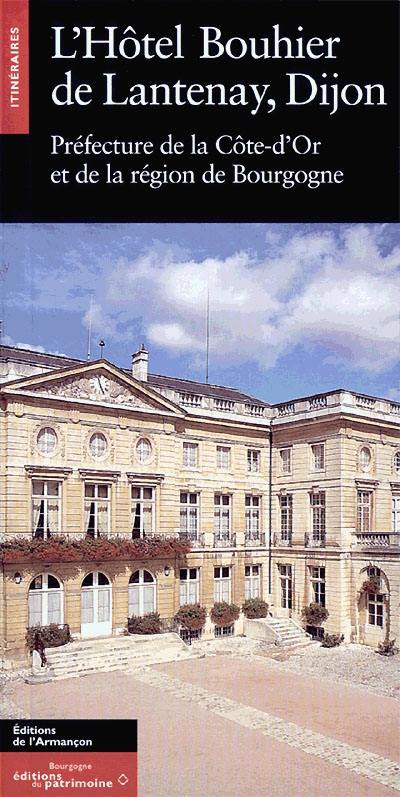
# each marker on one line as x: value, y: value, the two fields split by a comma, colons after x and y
x: 339, y: 290
x: 8, y: 341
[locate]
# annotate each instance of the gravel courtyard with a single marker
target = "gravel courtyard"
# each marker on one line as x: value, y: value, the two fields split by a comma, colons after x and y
x: 237, y: 723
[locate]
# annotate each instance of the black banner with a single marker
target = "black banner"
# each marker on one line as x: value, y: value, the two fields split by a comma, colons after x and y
x: 243, y: 110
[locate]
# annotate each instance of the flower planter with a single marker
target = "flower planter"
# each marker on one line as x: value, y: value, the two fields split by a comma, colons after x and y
x: 61, y: 549
x: 224, y: 613
x: 191, y: 616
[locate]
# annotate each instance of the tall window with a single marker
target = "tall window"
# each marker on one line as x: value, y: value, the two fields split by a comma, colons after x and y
x: 285, y: 572
x: 364, y: 510
x: 190, y: 455
x: 46, y: 508
x: 222, y: 584
x: 222, y: 516
x: 143, y: 450
x: 396, y: 462
x: 286, y: 517
x: 189, y: 514
x: 318, y: 516
x: 45, y: 605
x: 252, y: 581
x: 253, y: 460
x: 143, y: 511
x: 396, y: 513
x: 141, y: 593
x: 188, y: 585
x: 285, y: 455
x: 97, y: 510
x: 317, y: 578
x: 253, y: 524
x: 375, y: 610
x: 223, y: 457
x: 318, y: 456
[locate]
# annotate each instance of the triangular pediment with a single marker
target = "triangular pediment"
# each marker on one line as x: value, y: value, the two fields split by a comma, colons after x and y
x: 99, y: 382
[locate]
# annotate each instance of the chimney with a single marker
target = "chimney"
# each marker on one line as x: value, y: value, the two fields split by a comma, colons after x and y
x: 140, y: 364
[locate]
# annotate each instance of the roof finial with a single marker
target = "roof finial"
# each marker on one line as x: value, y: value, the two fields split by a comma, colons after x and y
x: 101, y: 346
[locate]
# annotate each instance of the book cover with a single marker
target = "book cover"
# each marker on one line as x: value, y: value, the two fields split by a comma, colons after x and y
x: 199, y: 398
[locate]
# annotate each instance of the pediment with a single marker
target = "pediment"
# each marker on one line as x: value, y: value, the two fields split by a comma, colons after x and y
x: 95, y: 383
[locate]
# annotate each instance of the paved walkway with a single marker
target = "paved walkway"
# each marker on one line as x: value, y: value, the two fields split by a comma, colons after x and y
x: 379, y: 769
x: 226, y: 727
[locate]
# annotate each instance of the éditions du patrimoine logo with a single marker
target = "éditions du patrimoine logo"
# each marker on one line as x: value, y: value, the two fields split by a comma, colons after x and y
x: 69, y: 757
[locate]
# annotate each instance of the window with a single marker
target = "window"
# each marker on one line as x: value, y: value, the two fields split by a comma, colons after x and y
x: 224, y: 630
x: 253, y: 460
x: 285, y: 455
x: 46, y: 508
x: 189, y: 515
x: 189, y: 585
x: 222, y: 516
x: 222, y: 584
x: 190, y: 455
x: 189, y: 636
x: 45, y: 605
x: 285, y: 572
x: 252, y: 511
x: 252, y: 581
x: 143, y: 450
x: 318, y: 516
x: 375, y: 610
x: 46, y: 441
x: 141, y: 593
x: 223, y: 457
x: 396, y: 463
x: 286, y: 517
x: 97, y: 510
x: 317, y: 577
x: 318, y: 456
x: 98, y: 445
x: 396, y: 513
x: 364, y: 510
x: 143, y: 511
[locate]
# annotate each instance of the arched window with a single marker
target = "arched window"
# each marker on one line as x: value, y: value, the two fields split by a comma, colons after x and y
x: 141, y: 593
x: 98, y: 445
x: 143, y: 450
x: 96, y: 605
x: 45, y: 600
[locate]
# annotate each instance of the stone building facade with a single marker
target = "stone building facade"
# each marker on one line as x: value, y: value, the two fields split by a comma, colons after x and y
x: 294, y: 503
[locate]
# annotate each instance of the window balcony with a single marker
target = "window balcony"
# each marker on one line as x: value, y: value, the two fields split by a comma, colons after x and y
x: 282, y: 542
x: 197, y: 540
x: 376, y: 540
x: 224, y: 540
x: 254, y: 539
x: 314, y: 542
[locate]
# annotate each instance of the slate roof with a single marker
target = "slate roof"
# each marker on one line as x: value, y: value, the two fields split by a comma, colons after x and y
x: 155, y: 381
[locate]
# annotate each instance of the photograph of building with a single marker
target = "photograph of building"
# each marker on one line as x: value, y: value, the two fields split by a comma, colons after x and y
x: 295, y: 502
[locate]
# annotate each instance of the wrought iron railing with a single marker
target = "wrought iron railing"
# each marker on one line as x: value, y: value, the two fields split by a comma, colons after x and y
x: 224, y: 540
x: 284, y: 542
x: 314, y: 542
x: 254, y: 538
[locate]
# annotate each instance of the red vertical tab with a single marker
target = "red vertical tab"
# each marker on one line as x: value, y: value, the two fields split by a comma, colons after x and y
x: 14, y: 100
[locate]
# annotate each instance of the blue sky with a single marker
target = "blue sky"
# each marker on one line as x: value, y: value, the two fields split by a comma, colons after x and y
x: 295, y: 309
